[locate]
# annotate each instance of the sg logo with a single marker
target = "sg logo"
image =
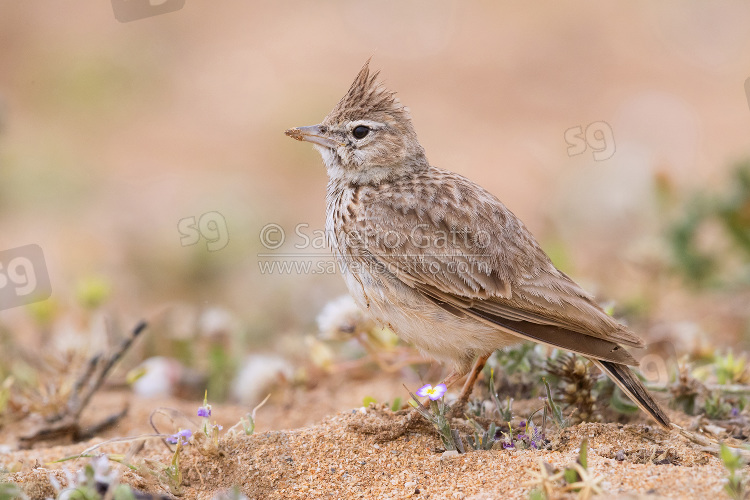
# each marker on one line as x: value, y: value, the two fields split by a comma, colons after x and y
x: 23, y: 276
x: 598, y: 136
x: 132, y: 10
x: 657, y: 362
x: 210, y: 225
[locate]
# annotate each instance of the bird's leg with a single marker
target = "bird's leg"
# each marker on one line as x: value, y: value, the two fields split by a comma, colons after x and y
x: 458, y: 407
x: 453, y: 377
x: 456, y: 375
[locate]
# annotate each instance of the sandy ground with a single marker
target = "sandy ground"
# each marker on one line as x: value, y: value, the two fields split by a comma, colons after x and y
x: 298, y: 452
x: 335, y: 459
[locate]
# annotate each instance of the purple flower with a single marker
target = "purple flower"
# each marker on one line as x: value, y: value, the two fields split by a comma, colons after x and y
x: 434, y: 393
x: 522, y: 423
x: 183, y: 434
x: 537, y: 438
x: 507, y: 446
x: 204, y: 411
x: 735, y: 411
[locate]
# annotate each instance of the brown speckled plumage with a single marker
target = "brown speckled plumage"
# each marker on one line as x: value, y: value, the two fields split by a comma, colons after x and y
x: 440, y: 259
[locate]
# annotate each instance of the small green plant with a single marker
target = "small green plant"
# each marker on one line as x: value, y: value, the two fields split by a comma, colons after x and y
x: 5, y: 393
x: 93, y: 291
x: 725, y: 400
x: 548, y: 483
x: 172, y: 472
x: 716, y: 407
x: 11, y: 491
x: 95, y: 481
x: 483, y: 439
x: 248, y: 421
x: 505, y: 412
x: 205, y: 440
x: 578, y: 478
x: 616, y: 399
x: 396, y: 405
x: 730, y: 369
x: 521, y: 358
x: 557, y: 414
x: 210, y: 430
x: 685, y: 390
x: 526, y: 436
x: 537, y: 494
x: 722, y: 261
x: 436, y: 414
x: 520, y: 366
x: 737, y: 484
x: 545, y: 482
x: 571, y: 474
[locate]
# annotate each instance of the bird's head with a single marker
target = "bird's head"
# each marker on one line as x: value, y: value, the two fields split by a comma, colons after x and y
x: 368, y: 137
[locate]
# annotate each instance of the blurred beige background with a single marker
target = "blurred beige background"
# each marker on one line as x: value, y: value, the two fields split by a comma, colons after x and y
x: 112, y: 133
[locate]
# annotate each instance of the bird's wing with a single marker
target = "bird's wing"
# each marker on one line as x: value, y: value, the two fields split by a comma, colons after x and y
x: 460, y: 246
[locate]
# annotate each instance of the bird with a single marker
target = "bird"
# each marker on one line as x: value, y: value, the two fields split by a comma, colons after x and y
x: 442, y: 261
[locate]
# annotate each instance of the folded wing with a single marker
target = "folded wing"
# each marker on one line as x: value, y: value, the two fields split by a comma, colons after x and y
x: 472, y: 256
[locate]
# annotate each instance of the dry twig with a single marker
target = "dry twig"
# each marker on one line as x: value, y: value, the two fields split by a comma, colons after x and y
x: 66, y: 424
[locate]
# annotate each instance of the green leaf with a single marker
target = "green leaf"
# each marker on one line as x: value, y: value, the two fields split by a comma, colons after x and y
x: 571, y: 476
x: 620, y: 403
x: 537, y: 494
x: 557, y: 414
x: 10, y: 491
x: 123, y: 492
x: 583, y: 455
x: 396, y: 406
x: 732, y: 461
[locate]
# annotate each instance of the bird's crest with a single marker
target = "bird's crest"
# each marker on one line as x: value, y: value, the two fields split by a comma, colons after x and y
x: 366, y: 97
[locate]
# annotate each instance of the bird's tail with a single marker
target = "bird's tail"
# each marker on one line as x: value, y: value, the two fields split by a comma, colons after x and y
x: 631, y: 384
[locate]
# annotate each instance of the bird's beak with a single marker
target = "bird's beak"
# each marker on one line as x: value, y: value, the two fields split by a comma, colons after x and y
x: 312, y: 134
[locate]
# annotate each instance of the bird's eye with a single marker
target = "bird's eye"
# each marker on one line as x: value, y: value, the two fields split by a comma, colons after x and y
x: 360, y: 131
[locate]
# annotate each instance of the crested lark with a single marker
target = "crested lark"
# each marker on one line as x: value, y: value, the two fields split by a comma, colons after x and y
x: 442, y: 261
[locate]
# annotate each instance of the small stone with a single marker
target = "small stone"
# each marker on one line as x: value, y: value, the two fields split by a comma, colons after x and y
x: 409, y: 485
x: 620, y: 456
x: 448, y: 454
